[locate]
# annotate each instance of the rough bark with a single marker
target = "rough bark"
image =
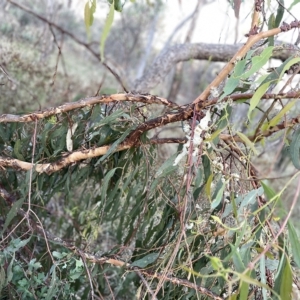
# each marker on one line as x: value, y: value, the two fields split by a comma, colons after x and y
x: 161, y: 66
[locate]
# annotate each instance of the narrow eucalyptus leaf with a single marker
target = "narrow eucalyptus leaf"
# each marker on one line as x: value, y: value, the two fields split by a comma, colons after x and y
x: 295, y: 149
x: 295, y: 243
x: 12, y: 213
x: 106, y: 29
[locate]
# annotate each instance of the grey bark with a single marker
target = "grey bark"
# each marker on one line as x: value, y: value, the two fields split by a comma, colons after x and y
x: 163, y: 63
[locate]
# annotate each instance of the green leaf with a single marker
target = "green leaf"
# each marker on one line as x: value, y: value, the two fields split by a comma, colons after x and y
x: 273, y: 77
x: 295, y: 243
x: 280, y: 12
x: 262, y: 267
x: 286, y: 282
x: 281, y: 266
x: 18, y: 243
x: 17, y: 150
x: 234, y: 79
x: 277, y: 118
x: 216, y: 263
x: 89, y: 11
x: 246, y: 278
x: 258, y: 62
x: 146, y: 260
x: 9, y: 271
x: 230, y: 86
x: 244, y: 289
x: 294, y: 3
x: 237, y: 260
x: 208, y: 186
x: 106, y: 29
x: 87, y: 15
x: 59, y: 255
x: 219, y: 197
x: 53, y: 286
x: 167, y: 167
x: 256, y: 97
x: 269, y: 192
x: 105, y: 183
x: 245, y: 139
x: 118, y: 5
x: 287, y: 64
x: 271, y: 25
x: 295, y: 149
x: 2, y: 278
x: 115, y: 145
x: 12, y: 213
x: 247, y: 199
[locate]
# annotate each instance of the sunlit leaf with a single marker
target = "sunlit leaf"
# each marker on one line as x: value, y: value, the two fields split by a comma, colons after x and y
x: 286, y: 282
x: 106, y: 29
x: 208, y: 186
x: 257, y: 62
x: 248, y: 143
x: 278, y: 117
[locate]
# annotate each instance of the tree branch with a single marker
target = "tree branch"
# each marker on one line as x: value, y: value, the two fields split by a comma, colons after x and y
x: 162, y: 65
x: 149, y: 99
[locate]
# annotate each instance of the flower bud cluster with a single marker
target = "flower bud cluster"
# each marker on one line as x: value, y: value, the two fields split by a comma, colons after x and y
x: 197, y: 139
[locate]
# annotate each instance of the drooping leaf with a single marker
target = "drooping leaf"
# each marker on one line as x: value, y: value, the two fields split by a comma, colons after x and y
x: 278, y: 117
x: 257, y: 62
x: 115, y: 144
x: 12, y: 213
x: 219, y: 197
x: 272, y: 78
x: 17, y: 150
x: 167, y: 167
x: 280, y: 12
x: 237, y: 260
x: 271, y: 25
x: 262, y: 267
x: 256, y: 97
x: 2, y: 278
x: 294, y: 3
x: 248, y: 143
x: 234, y: 79
x: 208, y: 186
x: 105, y: 183
x: 89, y: 10
x: 295, y: 243
x: 146, y: 260
x: 286, y: 282
x: 244, y: 289
x: 87, y: 15
x: 243, y: 200
x: 295, y: 149
x: 106, y: 29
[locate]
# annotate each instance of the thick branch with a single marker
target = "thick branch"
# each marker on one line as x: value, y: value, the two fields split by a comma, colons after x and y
x: 133, y: 139
x: 149, y: 99
x: 162, y: 65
